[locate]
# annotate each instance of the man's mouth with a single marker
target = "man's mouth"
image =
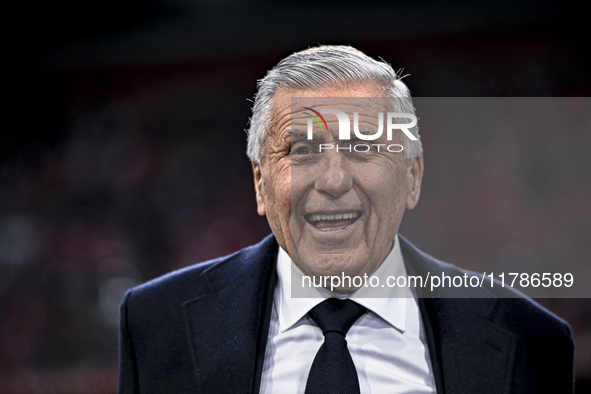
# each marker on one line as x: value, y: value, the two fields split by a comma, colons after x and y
x: 333, y: 221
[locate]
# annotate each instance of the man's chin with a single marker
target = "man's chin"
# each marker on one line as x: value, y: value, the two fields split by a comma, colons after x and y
x: 332, y: 265
x: 342, y: 290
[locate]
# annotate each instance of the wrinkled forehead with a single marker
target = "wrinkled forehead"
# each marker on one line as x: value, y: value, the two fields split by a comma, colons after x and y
x: 326, y: 114
x: 329, y: 111
x: 281, y: 108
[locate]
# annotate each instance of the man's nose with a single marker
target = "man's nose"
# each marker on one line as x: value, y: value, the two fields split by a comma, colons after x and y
x: 335, y: 178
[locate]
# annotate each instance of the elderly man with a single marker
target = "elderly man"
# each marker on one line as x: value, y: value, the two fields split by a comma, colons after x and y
x: 334, y: 200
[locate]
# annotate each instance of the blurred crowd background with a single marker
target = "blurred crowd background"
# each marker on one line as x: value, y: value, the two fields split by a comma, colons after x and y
x: 122, y: 152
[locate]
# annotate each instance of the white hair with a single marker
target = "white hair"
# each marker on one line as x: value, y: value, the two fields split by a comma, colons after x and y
x: 321, y: 67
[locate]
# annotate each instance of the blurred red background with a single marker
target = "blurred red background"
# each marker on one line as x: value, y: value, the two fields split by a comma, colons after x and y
x: 122, y: 153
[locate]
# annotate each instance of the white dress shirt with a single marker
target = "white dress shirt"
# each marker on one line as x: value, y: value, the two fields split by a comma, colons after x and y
x: 387, y: 344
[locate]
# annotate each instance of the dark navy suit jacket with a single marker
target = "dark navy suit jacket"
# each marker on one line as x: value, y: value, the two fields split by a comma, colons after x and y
x: 203, y: 329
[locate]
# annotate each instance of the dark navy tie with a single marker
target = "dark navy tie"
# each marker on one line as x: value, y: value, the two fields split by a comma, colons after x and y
x: 333, y: 371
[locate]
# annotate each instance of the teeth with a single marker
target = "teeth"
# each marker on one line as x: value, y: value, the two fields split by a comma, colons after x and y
x: 318, y: 217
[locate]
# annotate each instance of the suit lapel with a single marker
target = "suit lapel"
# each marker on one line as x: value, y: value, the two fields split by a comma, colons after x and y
x: 224, y: 324
x: 476, y: 355
x: 469, y: 352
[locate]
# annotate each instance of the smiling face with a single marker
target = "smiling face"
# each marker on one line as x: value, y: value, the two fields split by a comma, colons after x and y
x: 334, y: 212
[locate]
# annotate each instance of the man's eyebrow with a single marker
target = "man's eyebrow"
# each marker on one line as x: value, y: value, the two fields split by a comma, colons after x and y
x: 367, y: 131
x: 303, y: 135
x: 297, y: 133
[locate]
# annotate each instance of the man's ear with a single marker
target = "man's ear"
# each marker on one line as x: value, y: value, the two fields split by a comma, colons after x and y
x: 415, y: 175
x: 258, y: 187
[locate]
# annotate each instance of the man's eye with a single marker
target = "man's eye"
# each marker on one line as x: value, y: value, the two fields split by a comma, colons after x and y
x: 304, y: 150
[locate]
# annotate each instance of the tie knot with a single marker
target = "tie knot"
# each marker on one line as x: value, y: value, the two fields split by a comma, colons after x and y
x: 334, y: 315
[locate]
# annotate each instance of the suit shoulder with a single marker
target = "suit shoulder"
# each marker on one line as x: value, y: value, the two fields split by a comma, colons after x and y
x: 519, y: 313
x: 192, y: 281
x: 503, y: 305
x: 526, y: 315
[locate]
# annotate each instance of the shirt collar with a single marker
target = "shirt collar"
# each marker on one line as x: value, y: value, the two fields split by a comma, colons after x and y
x: 387, y: 302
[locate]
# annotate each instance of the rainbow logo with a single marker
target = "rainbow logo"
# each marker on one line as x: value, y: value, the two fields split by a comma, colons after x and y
x: 315, y: 118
